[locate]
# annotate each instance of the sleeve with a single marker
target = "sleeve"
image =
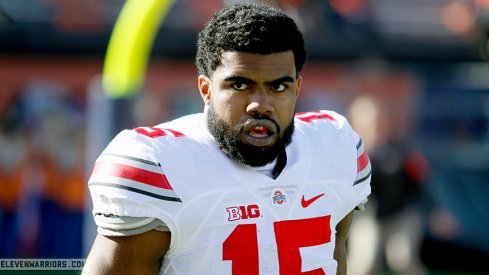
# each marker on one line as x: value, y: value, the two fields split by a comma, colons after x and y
x: 129, y: 189
x: 364, y: 168
x: 110, y: 225
x: 361, y: 185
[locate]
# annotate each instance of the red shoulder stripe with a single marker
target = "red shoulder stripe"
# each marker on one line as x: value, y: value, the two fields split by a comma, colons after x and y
x: 362, y: 161
x: 157, y: 132
x: 313, y: 115
x: 132, y: 173
x: 175, y: 133
x: 316, y: 117
x: 150, y: 132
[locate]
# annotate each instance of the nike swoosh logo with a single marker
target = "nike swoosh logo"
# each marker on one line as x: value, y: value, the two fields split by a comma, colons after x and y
x: 305, y: 203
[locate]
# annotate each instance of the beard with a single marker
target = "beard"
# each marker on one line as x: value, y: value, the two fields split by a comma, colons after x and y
x: 229, y: 140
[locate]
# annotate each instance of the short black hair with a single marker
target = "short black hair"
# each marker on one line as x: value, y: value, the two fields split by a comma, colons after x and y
x: 251, y: 28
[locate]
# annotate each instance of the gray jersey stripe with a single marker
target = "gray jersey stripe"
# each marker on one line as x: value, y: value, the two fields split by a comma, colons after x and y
x: 362, y: 179
x: 133, y: 158
x: 132, y: 189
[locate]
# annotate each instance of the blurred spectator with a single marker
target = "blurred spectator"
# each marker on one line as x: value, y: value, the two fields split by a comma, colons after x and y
x: 398, y: 172
x: 391, y: 230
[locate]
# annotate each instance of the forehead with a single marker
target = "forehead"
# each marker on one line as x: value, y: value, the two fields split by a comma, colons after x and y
x: 257, y: 66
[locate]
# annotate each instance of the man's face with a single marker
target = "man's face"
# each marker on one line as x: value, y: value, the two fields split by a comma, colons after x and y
x: 250, y: 102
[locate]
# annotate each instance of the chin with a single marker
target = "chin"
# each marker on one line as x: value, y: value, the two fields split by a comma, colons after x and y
x: 256, y: 156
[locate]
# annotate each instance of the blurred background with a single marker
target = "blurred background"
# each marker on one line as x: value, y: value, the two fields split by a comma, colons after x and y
x: 411, y: 76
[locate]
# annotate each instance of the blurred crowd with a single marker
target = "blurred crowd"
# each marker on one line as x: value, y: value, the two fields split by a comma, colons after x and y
x: 42, y: 173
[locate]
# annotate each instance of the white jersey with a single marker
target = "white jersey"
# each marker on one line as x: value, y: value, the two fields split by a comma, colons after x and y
x: 227, y: 218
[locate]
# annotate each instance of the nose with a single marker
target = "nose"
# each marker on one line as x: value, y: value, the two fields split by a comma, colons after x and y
x: 260, y: 103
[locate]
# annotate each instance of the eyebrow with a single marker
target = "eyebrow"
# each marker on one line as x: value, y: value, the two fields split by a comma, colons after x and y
x: 281, y: 80
x: 236, y: 78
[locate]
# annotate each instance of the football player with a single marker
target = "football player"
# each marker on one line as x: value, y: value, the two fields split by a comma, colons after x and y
x: 246, y: 187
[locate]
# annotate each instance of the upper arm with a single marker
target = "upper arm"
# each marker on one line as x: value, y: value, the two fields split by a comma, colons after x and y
x: 342, y: 230
x: 137, y: 254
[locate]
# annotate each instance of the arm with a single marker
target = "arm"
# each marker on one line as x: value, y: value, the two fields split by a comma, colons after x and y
x: 342, y: 230
x: 138, y: 254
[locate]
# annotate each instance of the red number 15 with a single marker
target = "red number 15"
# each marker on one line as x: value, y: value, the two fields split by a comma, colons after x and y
x: 241, y: 247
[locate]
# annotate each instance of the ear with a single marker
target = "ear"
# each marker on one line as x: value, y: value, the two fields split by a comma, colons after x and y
x: 205, y: 88
x: 298, y: 87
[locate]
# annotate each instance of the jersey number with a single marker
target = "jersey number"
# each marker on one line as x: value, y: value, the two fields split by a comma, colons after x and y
x: 157, y: 132
x: 241, y: 246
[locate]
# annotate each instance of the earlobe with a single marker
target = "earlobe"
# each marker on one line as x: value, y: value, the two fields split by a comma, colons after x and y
x: 205, y: 88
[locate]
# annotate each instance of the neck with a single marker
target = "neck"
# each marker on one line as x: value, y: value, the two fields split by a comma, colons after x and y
x: 281, y: 162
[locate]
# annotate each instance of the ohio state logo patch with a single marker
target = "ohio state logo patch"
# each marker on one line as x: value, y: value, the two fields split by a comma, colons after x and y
x: 278, y: 197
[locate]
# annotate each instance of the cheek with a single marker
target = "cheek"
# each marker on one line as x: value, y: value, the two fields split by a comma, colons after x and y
x: 228, y: 108
x: 287, y: 106
x: 286, y: 111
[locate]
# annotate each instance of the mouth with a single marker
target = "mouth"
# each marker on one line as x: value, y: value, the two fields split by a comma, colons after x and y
x: 259, y: 132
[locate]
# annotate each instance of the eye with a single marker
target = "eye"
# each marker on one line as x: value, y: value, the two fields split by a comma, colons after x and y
x: 240, y: 86
x: 279, y: 87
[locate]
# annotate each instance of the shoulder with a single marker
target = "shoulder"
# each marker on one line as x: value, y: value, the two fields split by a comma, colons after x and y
x: 339, y: 140
x: 134, y: 167
x: 187, y: 125
x: 139, y: 174
x: 320, y: 119
x: 130, y: 163
x: 145, y: 139
x: 184, y: 126
x: 327, y: 125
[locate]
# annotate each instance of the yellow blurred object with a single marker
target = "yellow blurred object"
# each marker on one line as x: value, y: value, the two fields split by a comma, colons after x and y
x: 130, y: 45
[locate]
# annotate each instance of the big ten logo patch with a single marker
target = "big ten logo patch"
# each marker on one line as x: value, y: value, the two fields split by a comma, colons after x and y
x: 243, y: 212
